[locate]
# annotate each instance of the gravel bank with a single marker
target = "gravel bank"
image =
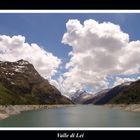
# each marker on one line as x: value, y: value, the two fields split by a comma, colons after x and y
x: 6, y: 111
x: 126, y: 107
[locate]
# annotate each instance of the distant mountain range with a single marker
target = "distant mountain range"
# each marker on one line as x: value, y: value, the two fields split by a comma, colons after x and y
x: 126, y: 93
x: 79, y: 97
x: 107, y: 95
x: 20, y: 83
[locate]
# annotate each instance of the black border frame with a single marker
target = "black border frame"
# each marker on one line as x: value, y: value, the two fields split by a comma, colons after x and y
x: 69, y: 5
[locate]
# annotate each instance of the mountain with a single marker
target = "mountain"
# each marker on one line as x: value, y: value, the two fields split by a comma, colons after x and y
x: 129, y: 95
x: 79, y: 97
x: 97, y: 96
x: 105, y: 96
x: 109, y: 95
x: 20, y: 83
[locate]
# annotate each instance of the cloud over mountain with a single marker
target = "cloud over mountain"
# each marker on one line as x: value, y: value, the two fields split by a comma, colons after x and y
x: 119, y: 80
x: 98, y: 50
x: 15, y: 48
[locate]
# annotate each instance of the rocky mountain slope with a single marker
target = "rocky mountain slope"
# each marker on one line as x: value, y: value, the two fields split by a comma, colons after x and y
x: 20, y: 83
x: 126, y: 93
x: 129, y: 95
x: 97, y: 97
x: 79, y: 97
x: 110, y: 94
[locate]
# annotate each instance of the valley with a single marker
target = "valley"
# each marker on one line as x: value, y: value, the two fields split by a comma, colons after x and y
x: 23, y: 89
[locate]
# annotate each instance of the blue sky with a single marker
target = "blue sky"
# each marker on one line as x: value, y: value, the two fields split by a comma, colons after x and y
x: 47, y: 29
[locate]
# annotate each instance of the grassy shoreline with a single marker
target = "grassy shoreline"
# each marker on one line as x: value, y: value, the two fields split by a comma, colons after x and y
x: 126, y: 107
x: 7, y: 111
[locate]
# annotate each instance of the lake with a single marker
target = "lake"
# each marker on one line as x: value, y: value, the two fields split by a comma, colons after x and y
x: 74, y: 116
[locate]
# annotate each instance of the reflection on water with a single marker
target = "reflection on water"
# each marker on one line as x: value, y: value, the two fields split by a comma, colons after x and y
x: 76, y: 116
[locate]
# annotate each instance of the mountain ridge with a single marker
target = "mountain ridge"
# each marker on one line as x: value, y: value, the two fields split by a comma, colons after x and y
x: 79, y: 97
x: 130, y: 95
x: 20, y: 83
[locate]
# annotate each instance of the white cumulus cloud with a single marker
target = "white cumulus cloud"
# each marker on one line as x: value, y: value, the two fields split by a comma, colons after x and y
x: 98, y: 50
x: 15, y: 48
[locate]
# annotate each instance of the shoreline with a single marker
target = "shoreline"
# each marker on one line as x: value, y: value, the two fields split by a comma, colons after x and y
x: 7, y: 111
x: 125, y: 107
